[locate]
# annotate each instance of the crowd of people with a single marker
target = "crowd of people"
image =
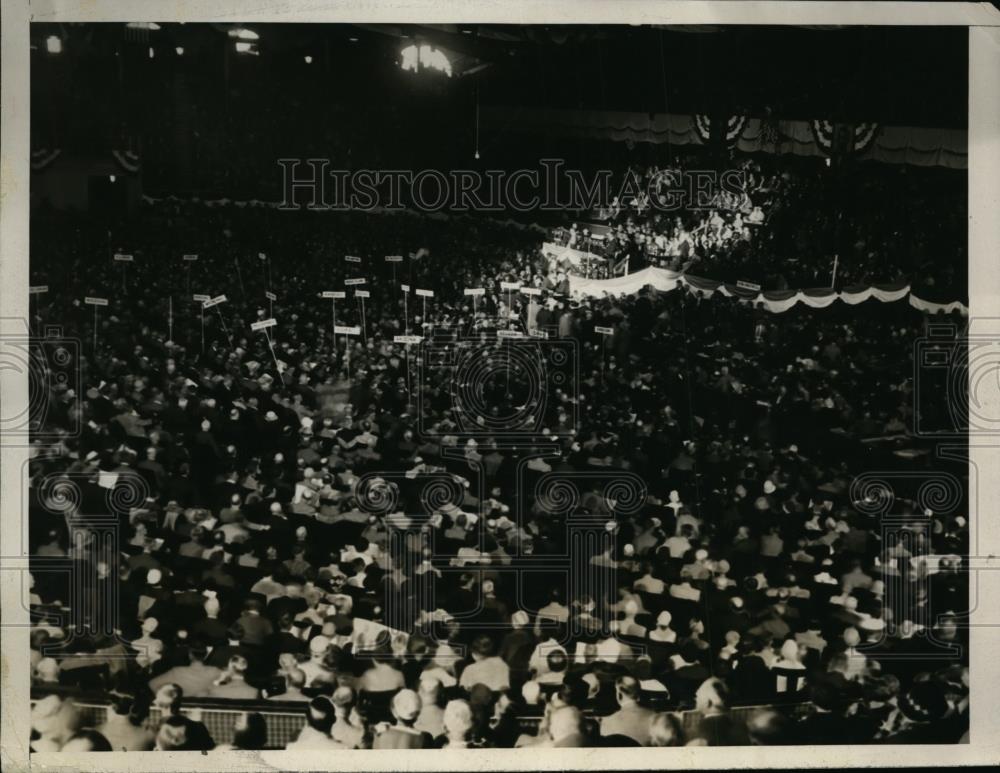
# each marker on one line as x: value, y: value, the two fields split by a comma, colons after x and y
x: 781, y: 223
x: 323, y: 529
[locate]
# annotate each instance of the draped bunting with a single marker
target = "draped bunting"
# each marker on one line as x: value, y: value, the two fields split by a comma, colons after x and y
x: 242, y: 203
x: 127, y: 160
x: 889, y: 144
x: 776, y: 301
x: 43, y: 157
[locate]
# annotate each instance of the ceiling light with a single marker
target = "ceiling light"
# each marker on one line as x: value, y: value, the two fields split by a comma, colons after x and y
x: 53, y: 44
x: 309, y: 59
x: 179, y: 50
x: 415, y: 57
x: 242, y: 33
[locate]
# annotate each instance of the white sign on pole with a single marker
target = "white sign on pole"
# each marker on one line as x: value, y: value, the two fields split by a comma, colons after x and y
x: 334, y: 294
x: 531, y: 290
x: 351, y: 282
x: 510, y: 286
x: 215, y: 301
x: 347, y: 330
x: 404, y: 288
x: 425, y: 293
x: 748, y: 286
x: 201, y: 298
x: 352, y: 258
x: 123, y: 258
x: 190, y: 257
x: 263, y: 324
x: 362, y: 294
x: 608, y: 331
x: 536, y: 333
x: 36, y: 289
x: 393, y: 258
x: 475, y: 291
x: 510, y: 334
x: 407, y: 339
x: 270, y: 296
x: 95, y: 301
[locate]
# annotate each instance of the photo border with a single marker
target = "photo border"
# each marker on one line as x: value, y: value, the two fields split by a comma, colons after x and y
x: 984, y: 301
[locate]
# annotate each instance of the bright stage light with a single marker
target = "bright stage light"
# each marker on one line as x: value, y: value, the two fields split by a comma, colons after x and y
x: 179, y: 50
x: 53, y: 44
x: 414, y: 57
x: 309, y: 59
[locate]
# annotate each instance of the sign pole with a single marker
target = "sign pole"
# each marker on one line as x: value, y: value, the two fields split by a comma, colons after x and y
x: 95, y: 302
x: 604, y: 332
x: 833, y: 279
x: 364, y: 322
x: 239, y: 275
x: 224, y: 328
x: 202, y: 329
x: 270, y: 345
x: 406, y: 314
x: 170, y: 318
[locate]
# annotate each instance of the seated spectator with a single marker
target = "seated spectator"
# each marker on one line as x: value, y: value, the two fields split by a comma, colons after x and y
x: 124, y: 726
x: 665, y: 730
x: 486, y: 668
x: 196, y: 679
x: 315, y: 735
x: 631, y: 719
x: 232, y: 683
x: 403, y: 735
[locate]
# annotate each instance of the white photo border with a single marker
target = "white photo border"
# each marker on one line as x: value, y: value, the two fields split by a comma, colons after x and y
x: 983, y: 21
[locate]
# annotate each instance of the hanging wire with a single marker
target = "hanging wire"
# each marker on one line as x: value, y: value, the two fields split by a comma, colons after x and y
x: 477, y: 120
x: 663, y: 79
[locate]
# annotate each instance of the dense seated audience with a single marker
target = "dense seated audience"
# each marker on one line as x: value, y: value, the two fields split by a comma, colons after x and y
x: 292, y: 548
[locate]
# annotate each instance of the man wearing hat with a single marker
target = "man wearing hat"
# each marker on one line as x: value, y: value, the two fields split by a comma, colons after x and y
x: 406, y: 706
